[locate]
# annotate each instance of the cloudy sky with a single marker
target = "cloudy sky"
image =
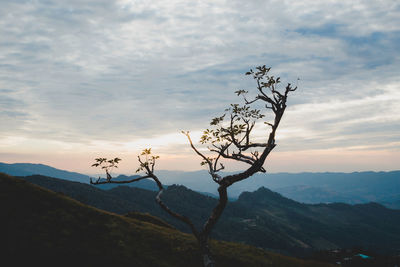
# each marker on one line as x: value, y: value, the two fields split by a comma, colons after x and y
x: 82, y: 79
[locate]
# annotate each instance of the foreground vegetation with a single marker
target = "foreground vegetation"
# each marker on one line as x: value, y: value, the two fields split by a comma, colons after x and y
x: 44, y: 228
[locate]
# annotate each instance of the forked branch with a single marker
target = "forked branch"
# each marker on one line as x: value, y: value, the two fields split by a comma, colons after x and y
x: 147, y: 162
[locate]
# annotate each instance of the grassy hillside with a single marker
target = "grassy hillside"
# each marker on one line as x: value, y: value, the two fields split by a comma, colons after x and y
x: 261, y: 218
x: 88, y: 194
x: 44, y: 228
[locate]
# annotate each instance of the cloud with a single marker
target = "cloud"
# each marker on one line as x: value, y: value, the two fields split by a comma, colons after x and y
x: 123, y: 71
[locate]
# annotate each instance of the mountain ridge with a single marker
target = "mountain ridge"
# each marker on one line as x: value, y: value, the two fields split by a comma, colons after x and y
x: 306, y: 187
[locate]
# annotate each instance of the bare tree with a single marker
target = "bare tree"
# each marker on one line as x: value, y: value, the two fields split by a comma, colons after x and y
x: 231, y: 137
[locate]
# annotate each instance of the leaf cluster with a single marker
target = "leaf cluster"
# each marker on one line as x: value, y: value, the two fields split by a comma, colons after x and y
x: 106, y: 164
x: 149, y: 161
x: 241, y: 119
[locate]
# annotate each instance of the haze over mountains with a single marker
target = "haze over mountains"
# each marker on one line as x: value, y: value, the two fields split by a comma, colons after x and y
x: 356, y: 187
x: 24, y: 169
x: 352, y: 188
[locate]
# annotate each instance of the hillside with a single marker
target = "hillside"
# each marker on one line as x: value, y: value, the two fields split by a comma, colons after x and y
x: 262, y: 218
x: 339, y: 225
x: 44, y: 228
x: 87, y: 194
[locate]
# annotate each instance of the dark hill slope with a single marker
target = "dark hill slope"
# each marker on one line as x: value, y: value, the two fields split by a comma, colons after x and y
x: 339, y: 225
x: 89, y: 194
x: 44, y: 228
x: 261, y: 218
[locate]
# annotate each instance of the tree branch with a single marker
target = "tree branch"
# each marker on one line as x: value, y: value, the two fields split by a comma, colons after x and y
x: 212, y: 172
x: 118, y: 182
x: 176, y: 215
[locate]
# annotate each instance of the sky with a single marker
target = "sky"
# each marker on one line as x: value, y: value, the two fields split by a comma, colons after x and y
x: 84, y: 79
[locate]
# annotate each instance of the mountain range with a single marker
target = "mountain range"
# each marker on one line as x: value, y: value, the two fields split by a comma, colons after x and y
x: 311, y: 188
x: 24, y: 169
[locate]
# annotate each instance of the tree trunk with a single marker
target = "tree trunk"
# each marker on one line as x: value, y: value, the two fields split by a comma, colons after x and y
x: 202, y: 238
x: 208, y: 260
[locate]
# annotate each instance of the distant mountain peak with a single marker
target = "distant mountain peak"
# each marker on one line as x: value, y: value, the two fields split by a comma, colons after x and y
x: 264, y: 195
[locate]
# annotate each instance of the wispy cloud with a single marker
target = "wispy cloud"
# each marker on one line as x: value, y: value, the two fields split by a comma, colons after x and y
x: 85, y: 73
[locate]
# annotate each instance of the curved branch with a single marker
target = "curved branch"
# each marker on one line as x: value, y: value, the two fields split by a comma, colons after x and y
x: 118, y: 182
x: 259, y: 87
x: 195, y: 149
x: 252, y: 145
x: 212, y: 171
x: 239, y: 157
x: 171, y: 212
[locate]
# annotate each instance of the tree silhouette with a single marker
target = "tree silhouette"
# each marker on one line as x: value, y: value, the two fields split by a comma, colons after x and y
x: 230, y: 137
